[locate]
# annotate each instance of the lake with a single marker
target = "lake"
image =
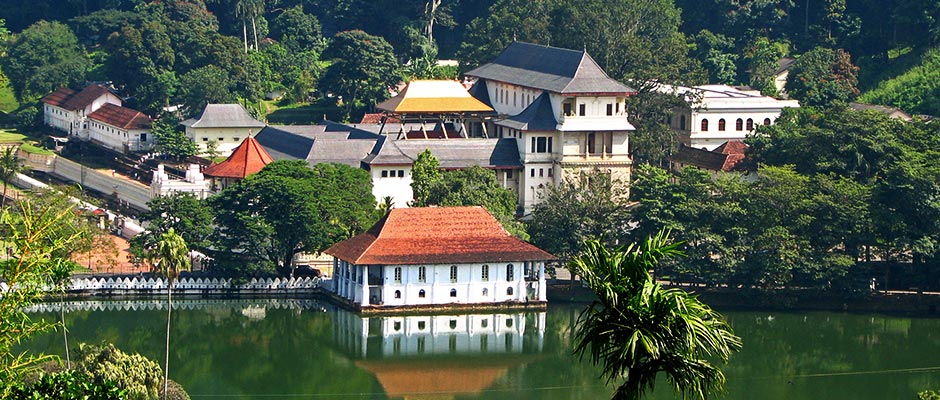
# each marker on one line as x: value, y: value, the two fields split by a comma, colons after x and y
x: 254, y: 349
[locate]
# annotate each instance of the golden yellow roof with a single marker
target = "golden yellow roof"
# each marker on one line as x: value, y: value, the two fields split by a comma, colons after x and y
x: 433, y: 97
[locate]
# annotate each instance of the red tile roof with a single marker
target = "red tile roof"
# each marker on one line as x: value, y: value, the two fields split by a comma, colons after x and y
x: 724, y: 158
x: 121, y: 117
x: 734, y: 149
x: 248, y: 158
x: 58, y: 97
x: 436, y: 235
x: 70, y: 100
x: 376, y: 118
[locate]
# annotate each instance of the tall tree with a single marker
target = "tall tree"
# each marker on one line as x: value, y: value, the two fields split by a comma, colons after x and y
x: 364, y: 68
x: 170, y: 257
x: 425, y: 174
x: 42, y: 58
x: 823, y: 77
x: 10, y: 165
x: 171, y: 139
x: 637, y: 329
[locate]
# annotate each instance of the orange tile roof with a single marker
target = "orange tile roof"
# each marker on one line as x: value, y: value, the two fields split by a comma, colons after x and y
x: 248, y: 158
x: 58, y: 97
x: 121, y: 117
x: 436, y: 235
x: 376, y: 118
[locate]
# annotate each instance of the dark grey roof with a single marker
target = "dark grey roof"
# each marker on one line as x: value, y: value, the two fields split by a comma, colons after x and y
x: 318, y: 143
x: 451, y: 153
x: 223, y: 116
x: 550, y: 68
x: 538, y: 116
x: 480, y: 92
x: 784, y: 64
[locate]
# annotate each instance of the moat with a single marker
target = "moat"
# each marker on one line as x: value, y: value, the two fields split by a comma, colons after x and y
x: 309, y: 349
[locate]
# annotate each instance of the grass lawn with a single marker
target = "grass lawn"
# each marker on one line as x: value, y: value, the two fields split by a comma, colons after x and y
x: 33, y: 149
x: 9, y: 136
x: 299, y: 113
x: 8, y: 102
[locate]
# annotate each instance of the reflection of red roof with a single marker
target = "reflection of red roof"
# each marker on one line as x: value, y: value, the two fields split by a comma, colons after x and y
x: 248, y: 158
x: 121, y: 117
x: 436, y: 235
x: 413, y: 380
x: 58, y: 97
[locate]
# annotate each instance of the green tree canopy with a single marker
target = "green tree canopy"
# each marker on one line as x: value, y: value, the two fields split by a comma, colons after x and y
x: 363, y: 69
x: 171, y: 139
x: 42, y: 58
x: 289, y: 208
x: 823, y: 77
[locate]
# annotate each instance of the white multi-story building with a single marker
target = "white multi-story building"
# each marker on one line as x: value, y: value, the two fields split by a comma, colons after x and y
x: 719, y: 113
x: 438, y: 256
x: 96, y: 114
x: 565, y: 113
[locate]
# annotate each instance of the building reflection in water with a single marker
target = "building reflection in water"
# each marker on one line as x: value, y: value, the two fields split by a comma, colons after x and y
x: 440, y: 356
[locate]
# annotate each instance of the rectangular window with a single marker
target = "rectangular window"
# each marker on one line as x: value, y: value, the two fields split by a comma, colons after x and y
x: 453, y: 273
x: 617, y: 107
x: 549, y: 145
x: 541, y: 144
x: 610, y: 109
x: 551, y: 172
x: 532, y: 172
x: 397, y: 274
x: 582, y: 110
x: 513, y: 98
x: 385, y: 174
x: 205, y: 139
x: 422, y: 274
x: 236, y: 139
x: 541, y: 172
x: 509, y: 273
x: 567, y: 109
x: 533, y: 145
x: 508, y: 174
x: 485, y: 273
x: 401, y: 173
x: 221, y: 139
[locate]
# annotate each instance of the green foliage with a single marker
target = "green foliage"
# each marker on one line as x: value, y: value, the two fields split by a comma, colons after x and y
x: 42, y: 234
x: 171, y: 139
x: 205, y: 85
x: 823, y: 77
x: 363, y: 69
x: 915, y: 91
x: 425, y: 174
x: 140, y: 377
x: 654, y: 141
x: 928, y: 395
x: 289, y: 208
x: 637, y: 329
x: 717, y: 53
x: 298, y: 31
x: 68, y: 385
x: 585, y: 206
x: 761, y: 57
x: 42, y: 58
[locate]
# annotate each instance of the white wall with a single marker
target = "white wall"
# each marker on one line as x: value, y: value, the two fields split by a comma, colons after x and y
x: 227, y: 139
x: 387, y: 182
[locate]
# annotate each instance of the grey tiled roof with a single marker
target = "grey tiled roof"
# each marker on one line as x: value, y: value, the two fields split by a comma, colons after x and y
x: 223, y: 116
x: 538, y: 116
x: 479, y: 91
x: 318, y: 143
x: 549, y: 68
x: 282, y: 144
x: 452, y: 153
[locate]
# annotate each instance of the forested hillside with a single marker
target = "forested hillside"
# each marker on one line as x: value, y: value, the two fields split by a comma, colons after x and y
x: 193, y: 51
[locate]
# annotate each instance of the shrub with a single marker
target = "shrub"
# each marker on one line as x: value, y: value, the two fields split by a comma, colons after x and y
x: 141, y: 377
x: 69, y: 385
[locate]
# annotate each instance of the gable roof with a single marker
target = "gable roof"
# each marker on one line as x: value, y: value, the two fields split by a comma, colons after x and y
x: 318, y: 143
x: 71, y: 100
x: 480, y: 92
x: 538, y: 116
x: 248, y: 158
x: 724, y: 158
x: 433, y: 96
x: 58, y: 97
x: 436, y: 235
x: 223, y: 116
x: 550, y: 68
x: 121, y: 117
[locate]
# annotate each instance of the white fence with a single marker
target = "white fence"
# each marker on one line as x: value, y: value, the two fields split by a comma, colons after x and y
x: 191, y: 285
x: 178, y: 304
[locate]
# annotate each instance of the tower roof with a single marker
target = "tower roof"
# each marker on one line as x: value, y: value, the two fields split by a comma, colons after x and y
x: 433, y: 97
x: 248, y: 158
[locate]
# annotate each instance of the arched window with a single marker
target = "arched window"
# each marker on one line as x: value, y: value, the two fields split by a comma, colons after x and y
x: 509, y: 291
x: 721, y: 124
x: 739, y: 125
x: 453, y: 324
x: 509, y: 273
x: 486, y: 292
x: 397, y: 325
x: 766, y: 121
x: 398, y: 294
x: 704, y: 125
x: 682, y: 122
x: 509, y: 322
x: 484, y: 323
x: 453, y: 293
x: 750, y: 124
x: 421, y: 293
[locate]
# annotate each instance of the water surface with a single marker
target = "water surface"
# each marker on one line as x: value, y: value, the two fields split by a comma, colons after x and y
x: 255, y: 349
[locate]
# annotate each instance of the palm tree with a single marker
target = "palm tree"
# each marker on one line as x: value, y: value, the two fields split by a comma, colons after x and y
x: 245, y: 10
x: 637, y: 328
x: 170, y: 257
x: 9, y: 166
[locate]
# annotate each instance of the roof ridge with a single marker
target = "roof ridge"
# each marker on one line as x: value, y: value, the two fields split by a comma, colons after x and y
x: 381, y: 226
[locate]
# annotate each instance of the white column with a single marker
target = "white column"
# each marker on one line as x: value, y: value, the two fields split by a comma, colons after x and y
x: 542, y: 286
x: 365, y: 285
